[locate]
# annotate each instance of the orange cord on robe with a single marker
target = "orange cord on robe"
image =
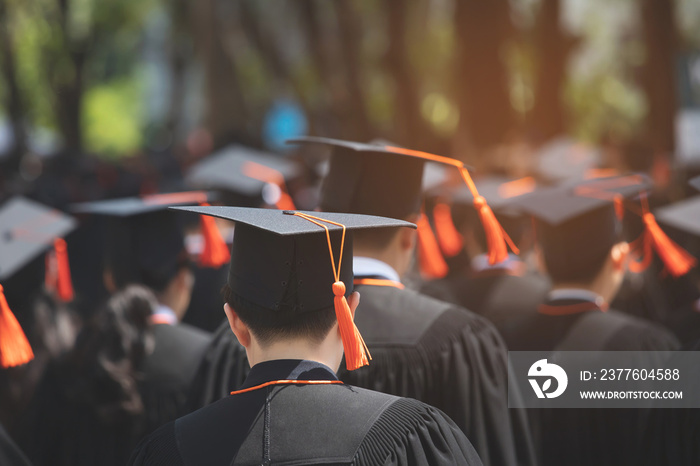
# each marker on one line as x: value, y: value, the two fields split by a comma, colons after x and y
x: 14, y: 347
x: 215, y: 252
x: 356, y: 351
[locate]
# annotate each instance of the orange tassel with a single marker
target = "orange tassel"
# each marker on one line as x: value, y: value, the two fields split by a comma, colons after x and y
x: 14, y: 347
x: 676, y: 259
x: 496, y: 237
x: 285, y: 202
x: 215, y: 252
x: 448, y: 236
x: 432, y: 264
x: 64, y: 284
x: 619, y: 201
x: 356, y: 351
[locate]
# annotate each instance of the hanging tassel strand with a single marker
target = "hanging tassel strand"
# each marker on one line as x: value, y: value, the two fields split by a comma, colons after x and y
x: 356, y: 351
x: 14, y: 347
x: 432, y: 264
x: 215, y: 252
x: 450, y: 240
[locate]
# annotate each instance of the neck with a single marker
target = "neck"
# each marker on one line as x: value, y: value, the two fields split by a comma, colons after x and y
x: 329, y: 352
x: 386, y: 256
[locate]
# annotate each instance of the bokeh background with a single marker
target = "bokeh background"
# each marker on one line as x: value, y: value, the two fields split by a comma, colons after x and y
x: 104, y: 88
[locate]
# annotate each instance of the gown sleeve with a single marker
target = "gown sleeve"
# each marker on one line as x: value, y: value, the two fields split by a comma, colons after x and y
x: 10, y: 453
x: 412, y: 433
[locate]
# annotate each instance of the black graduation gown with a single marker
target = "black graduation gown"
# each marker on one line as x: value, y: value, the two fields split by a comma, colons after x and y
x: 672, y: 434
x: 590, y: 436
x: 508, y: 300
x: 169, y: 371
x: 10, y: 454
x: 205, y: 309
x: 685, y: 324
x: 447, y: 357
x: 64, y: 428
x: 307, y: 424
x: 223, y: 367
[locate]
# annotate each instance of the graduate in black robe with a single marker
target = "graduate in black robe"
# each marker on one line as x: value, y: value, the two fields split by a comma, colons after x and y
x: 436, y: 352
x: 585, y: 256
x: 289, y: 307
x: 10, y: 454
x: 506, y: 293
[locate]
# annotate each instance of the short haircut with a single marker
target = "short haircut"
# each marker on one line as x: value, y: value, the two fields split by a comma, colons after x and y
x: 270, y: 325
x: 375, y: 238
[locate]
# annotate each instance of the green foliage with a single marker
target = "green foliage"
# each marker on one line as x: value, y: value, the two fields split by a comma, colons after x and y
x: 113, y: 118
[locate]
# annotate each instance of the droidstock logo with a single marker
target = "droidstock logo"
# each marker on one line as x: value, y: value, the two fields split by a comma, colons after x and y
x: 545, y: 372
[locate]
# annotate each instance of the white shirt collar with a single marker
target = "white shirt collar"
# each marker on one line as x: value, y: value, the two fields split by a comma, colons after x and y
x: 577, y: 293
x: 370, y: 267
x: 480, y: 263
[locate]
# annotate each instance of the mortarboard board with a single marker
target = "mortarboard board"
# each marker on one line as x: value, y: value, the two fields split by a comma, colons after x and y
x: 683, y: 215
x: 27, y: 230
x: 246, y: 176
x: 280, y: 260
x: 145, y: 241
x: 563, y: 160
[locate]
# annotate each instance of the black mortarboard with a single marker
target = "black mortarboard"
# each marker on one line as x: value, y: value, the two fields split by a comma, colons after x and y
x: 578, y: 223
x: 281, y: 262
x: 144, y: 241
x: 683, y: 215
x: 28, y: 229
x: 243, y: 175
x: 500, y: 192
x: 369, y: 179
x: 563, y: 160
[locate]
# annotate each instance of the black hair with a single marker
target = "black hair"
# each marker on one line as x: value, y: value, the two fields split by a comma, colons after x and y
x: 270, y: 325
x: 108, y: 354
x: 374, y: 238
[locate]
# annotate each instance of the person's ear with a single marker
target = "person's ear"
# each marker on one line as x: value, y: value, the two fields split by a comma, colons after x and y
x: 407, y: 236
x: 353, y: 302
x: 619, y: 254
x: 238, y: 327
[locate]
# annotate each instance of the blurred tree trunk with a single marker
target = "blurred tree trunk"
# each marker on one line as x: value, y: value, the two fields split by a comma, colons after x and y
x: 409, y: 127
x: 658, y: 72
x: 13, y: 99
x: 225, y: 107
x: 548, y: 117
x: 180, y: 34
x: 350, y: 38
x: 480, y: 79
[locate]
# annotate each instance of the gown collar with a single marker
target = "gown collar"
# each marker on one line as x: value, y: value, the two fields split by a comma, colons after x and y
x: 287, y: 369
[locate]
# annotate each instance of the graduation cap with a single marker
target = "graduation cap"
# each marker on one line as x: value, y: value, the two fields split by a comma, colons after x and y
x: 386, y: 180
x: 295, y: 262
x: 564, y: 160
x: 145, y: 241
x: 27, y: 230
x: 246, y: 176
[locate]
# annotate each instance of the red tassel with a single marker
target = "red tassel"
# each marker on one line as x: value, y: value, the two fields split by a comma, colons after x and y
x: 64, y: 284
x: 285, y: 201
x: 356, y: 351
x: 14, y: 347
x: 498, y: 250
x: 676, y: 259
x: 432, y: 264
x: 215, y: 252
x: 449, y: 238
x: 619, y: 201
